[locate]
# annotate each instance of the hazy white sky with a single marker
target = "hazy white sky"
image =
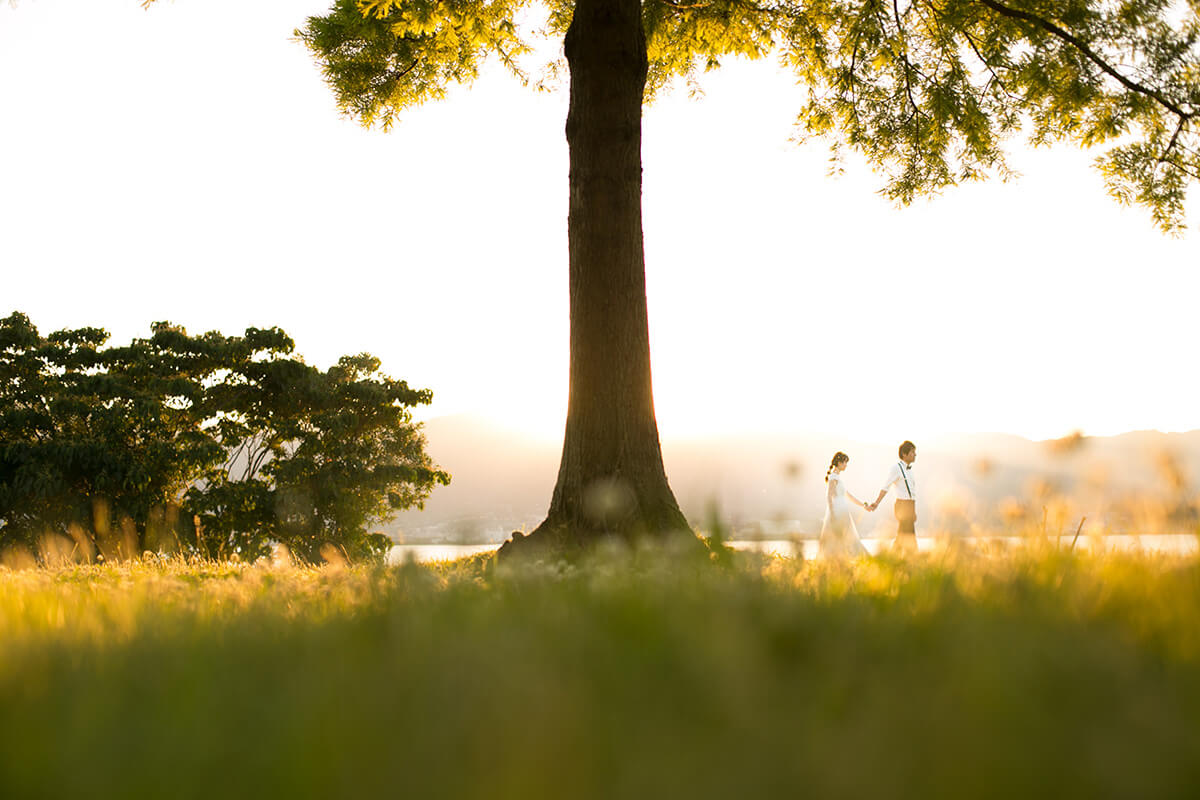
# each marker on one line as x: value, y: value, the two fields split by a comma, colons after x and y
x: 187, y: 163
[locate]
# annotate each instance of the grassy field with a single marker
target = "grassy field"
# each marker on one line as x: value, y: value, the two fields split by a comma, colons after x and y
x: 953, y: 674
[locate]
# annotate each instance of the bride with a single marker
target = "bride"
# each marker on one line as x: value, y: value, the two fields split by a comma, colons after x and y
x: 839, y: 536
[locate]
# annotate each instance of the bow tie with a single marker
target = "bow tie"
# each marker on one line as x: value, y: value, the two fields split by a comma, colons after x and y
x: 908, y: 466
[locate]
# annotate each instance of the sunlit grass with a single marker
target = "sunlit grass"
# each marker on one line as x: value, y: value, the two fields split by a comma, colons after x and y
x: 1027, y: 671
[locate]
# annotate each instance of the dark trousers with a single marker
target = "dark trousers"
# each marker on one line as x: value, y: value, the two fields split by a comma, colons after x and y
x: 906, y: 515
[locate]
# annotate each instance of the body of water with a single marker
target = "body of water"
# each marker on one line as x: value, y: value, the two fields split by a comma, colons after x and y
x: 810, y: 548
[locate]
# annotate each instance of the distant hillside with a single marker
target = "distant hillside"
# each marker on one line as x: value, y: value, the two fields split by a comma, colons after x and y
x: 773, y: 485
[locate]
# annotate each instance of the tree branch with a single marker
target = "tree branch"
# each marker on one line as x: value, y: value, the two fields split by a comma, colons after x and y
x: 258, y: 461
x: 1191, y: 172
x: 681, y: 7
x: 904, y: 57
x: 396, y: 75
x: 986, y: 64
x: 231, y: 462
x: 1093, y: 56
x: 1174, y: 138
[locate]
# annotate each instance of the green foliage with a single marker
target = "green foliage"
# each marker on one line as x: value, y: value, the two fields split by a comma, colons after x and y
x: 90, y: 437
x: 123, y: 449
x: 684, y: 38
x: 930, y: 90
x: 633, y: 675
x: 384, y: 56
x: 321, y: 454
x: 927, y: 90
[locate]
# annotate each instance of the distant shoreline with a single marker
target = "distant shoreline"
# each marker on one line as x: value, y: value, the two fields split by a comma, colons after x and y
x: 812, y: 537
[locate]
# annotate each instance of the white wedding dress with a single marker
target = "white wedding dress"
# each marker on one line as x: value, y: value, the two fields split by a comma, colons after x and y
x: 839, y: 536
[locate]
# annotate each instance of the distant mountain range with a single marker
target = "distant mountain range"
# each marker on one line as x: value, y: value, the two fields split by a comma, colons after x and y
x: 769, y: 485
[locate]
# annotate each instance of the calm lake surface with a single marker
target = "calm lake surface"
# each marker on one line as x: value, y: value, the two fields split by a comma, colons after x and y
x: 809, y: 548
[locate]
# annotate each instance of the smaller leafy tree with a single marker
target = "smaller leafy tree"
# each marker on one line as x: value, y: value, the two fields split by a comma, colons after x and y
x: 315, y: 457
x: 103, y: 440
x: 209, y: 443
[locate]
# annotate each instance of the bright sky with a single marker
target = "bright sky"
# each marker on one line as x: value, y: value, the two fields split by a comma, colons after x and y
x: 187, y: 163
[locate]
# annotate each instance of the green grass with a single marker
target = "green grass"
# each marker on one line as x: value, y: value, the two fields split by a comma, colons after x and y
x: 636, y: 675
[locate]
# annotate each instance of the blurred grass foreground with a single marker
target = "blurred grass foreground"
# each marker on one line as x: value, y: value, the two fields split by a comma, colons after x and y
x: 948, y: 674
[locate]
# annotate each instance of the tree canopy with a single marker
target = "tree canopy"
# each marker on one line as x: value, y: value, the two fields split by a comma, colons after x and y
x: 927, y: 90
x: 211, y: 444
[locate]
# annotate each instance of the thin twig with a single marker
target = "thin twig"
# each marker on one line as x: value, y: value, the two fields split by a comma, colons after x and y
x: 397, y: 75
x: 1077, y: 530
x: 682, y: 7
x: 904, y: 57
x: 1174, y: 138
x: 987, y: 64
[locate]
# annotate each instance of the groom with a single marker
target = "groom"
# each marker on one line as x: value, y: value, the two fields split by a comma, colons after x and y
x: 900, y: 476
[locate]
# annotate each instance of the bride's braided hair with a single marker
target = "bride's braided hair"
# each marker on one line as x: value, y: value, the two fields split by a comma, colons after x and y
x: 838, y: 458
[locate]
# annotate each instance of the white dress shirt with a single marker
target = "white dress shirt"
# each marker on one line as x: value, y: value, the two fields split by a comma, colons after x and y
x: 903, y: 481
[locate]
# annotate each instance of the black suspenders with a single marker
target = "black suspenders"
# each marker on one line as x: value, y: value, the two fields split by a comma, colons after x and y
x: 906, y: 486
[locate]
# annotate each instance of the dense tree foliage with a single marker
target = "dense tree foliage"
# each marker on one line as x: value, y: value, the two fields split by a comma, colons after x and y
x: 210, y: 443
x: 926, y: 89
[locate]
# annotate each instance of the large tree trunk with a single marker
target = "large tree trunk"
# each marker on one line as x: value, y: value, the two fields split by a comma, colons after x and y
x: 611, y: 480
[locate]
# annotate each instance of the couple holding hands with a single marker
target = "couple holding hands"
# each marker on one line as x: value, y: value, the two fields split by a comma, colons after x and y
x: 839, y: 536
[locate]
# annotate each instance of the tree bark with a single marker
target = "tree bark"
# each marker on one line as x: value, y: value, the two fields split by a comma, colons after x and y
x: 611, y: 479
